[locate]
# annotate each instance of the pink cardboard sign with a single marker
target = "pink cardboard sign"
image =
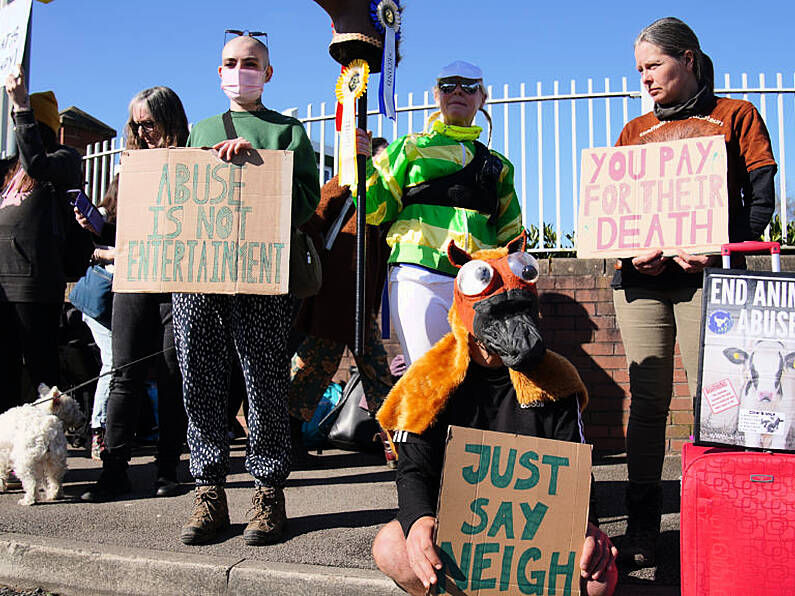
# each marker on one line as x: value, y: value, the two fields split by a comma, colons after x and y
x: 638, y: 198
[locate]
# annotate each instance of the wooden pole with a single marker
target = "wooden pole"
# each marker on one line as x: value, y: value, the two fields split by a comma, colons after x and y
x: 361, y: 235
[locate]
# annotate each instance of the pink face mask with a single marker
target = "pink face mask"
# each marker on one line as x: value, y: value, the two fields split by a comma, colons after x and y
x: 242, y: 84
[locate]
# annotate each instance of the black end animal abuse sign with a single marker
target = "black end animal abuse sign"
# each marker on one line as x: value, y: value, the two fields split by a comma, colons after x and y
x: 746, y: 394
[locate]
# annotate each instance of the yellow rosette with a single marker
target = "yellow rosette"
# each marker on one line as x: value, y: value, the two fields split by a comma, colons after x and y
x: 351, y: 85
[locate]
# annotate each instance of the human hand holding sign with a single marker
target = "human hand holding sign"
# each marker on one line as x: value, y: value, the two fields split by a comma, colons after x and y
x: 653, y: 262
x: 597, y: 563
x: 598, y: 555
x: 15, y: 87
x: 229, y: 148
x: 650, y: 263
x: 695, y: 263
x: 423, y: 558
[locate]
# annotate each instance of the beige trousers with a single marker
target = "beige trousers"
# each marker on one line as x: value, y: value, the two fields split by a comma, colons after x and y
x: 651, y: 321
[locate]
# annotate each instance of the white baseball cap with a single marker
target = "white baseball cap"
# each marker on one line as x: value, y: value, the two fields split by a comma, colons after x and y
x: 462, y: 69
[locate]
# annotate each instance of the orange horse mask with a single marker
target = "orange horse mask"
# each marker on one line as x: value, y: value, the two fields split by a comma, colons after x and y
x: 497, y: 301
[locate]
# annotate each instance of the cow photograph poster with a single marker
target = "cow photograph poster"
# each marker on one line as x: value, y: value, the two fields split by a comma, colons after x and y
x: 746, y: 394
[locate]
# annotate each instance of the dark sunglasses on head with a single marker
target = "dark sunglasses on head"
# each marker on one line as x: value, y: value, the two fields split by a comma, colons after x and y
x: 230, y: 33
x: 468, y: 88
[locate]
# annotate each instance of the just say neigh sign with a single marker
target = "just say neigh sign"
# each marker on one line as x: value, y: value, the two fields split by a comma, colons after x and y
x: 667, y: 195
x: 512, y: 514
x: 190, y: 222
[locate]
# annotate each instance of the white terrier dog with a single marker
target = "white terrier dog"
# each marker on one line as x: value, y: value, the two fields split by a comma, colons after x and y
x: 33, y: 443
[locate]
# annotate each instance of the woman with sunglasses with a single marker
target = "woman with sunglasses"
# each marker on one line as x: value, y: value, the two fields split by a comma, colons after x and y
x: 141, y: 325
x: 435, y: 187
x: 658, y: 298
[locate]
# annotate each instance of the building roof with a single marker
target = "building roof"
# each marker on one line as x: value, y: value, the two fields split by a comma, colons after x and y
x: 75, y: 117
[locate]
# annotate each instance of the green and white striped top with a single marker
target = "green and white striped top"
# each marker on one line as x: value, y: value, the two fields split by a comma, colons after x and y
x: 420, y: 233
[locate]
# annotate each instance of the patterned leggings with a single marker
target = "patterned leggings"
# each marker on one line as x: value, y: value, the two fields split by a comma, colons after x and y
x: 316, y: 361
x: 258, y: 327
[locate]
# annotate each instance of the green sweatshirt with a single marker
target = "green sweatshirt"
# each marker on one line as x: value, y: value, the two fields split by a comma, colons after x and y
x: 420, y: 233
x: 267, y: 129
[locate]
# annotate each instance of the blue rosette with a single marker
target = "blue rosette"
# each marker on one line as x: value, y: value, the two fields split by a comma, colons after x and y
x: 385, y: 16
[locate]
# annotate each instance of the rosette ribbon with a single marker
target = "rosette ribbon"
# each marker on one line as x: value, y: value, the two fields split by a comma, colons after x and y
x: 351, y: 84
x: 385, y: 15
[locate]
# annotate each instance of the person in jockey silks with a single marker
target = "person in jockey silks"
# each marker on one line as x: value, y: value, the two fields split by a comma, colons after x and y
x: 434, y: 187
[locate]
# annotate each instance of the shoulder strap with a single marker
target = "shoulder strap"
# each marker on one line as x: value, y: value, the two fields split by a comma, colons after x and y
x: 229, y: 126
x: 481, y: 151
x: 464, y: 188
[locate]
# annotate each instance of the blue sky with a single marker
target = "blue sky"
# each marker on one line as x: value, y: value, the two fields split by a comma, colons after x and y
x: 97, y: 54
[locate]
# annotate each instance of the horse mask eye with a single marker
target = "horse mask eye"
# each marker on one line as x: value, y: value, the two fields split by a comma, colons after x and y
x: 474, y: 277
x: 496, y: 300
x: 524, y: 266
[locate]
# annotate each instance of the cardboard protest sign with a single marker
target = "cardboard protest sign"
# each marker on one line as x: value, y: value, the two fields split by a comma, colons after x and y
x: 746, y: 394
x: 13, y: 32
x: 512, y: 514
x: 190, y: 222
x: 659, y: 195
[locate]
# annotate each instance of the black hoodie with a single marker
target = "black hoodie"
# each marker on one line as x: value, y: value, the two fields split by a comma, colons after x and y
x: 32, y: 237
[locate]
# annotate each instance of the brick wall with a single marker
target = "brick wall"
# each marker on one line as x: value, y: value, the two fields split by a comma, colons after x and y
x: 579, y: 322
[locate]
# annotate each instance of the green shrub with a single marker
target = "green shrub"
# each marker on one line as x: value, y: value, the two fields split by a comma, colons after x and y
x: 775, y: 231
x: 550, y: 241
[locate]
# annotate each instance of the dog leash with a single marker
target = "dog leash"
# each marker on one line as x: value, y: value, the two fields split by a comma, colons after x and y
x: 110, y: 372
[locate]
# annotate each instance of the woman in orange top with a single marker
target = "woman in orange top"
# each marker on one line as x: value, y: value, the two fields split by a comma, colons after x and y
x: 658, y: 298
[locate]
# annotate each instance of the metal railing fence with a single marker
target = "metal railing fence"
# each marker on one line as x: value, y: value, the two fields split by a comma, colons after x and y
x: 541, y: 131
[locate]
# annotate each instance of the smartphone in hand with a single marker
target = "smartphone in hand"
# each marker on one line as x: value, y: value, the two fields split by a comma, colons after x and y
x: 84, y: 206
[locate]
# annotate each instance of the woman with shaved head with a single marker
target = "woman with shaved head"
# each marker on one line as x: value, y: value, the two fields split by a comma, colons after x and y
x: 207, y: 325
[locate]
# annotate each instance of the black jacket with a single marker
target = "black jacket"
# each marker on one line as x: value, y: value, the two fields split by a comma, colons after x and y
x: 32, y: 234
x: 486, y: 400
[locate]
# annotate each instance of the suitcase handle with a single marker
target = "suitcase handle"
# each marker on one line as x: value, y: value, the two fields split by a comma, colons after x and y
x: 761, y: 478
x: 749, y: 247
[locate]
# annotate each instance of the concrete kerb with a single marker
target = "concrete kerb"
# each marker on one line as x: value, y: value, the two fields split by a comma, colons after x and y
x: 72, y: 569
x: 257, y: 577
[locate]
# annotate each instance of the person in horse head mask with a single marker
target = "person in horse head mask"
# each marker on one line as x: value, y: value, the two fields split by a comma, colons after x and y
x: 491, y: 372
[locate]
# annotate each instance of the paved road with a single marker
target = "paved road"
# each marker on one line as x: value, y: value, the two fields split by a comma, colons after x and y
x: 132, y: 545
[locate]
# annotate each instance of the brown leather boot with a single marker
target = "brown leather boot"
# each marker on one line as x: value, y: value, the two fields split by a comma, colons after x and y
x: 268, y: 518
x: 210, y: 515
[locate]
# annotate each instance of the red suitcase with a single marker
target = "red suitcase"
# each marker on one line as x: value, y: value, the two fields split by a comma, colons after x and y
x: 737, y: 522
x: 737, y: 509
